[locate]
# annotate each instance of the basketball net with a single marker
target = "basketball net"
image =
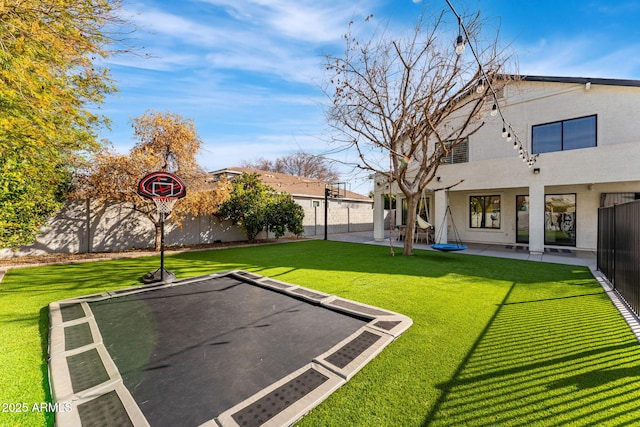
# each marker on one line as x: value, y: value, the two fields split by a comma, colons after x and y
x: 164, y: 204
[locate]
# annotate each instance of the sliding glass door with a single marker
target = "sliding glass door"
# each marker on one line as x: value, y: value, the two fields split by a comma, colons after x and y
x: 560, y: 219
x: 522, y: 219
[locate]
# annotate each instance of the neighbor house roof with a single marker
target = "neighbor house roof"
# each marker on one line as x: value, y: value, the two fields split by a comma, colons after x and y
x: 294, y: 185
x: 582, y: 80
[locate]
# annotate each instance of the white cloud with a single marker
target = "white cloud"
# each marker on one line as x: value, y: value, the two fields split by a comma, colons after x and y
x: 282, y: 38
x: 580, y: 56
x: 302, y: 20
x: 165, y: 62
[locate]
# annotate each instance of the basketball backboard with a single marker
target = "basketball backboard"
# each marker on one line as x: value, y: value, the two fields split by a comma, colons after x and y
x: 161, y: 185
x: 337, y: 190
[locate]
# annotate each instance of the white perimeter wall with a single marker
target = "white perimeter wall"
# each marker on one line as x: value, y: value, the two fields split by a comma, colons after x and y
x: 82, y: 227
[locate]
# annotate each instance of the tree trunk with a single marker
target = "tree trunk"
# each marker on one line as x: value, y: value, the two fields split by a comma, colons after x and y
x: 409, y: 234
x: 158, y: 239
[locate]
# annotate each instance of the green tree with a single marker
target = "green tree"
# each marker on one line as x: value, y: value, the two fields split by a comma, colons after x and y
x: 284, y: 214
x: 255, y: 206
x: 28, y: 196
x: 49, y: 85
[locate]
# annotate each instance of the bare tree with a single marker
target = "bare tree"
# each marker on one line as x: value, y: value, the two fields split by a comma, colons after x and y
x: 261, y: 164
x: 405, y: 102
x: 298, y: 164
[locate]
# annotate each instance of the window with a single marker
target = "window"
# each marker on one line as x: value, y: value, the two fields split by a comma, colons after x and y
x: 484, y: 211
x: 560, y: 219
x: 458, y: 153
x: 564, y: 135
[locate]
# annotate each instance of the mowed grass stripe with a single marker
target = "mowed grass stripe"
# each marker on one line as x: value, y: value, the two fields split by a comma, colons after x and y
x: 494, y: 341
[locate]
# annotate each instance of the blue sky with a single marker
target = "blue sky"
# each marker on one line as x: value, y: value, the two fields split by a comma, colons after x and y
x: 249, y: 72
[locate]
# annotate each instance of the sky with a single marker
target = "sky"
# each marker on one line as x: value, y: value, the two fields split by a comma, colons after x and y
x: 250, y: 73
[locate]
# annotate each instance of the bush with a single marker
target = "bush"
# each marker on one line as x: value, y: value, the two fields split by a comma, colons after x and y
x: 254, y: 206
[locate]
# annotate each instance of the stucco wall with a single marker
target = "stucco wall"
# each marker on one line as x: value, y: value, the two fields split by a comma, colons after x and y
x: 528, y: 104
x: 340, y: 220
x: 80, y: 228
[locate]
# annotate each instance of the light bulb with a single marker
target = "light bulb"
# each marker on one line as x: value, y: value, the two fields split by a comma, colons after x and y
x: 480, y: 87
x: 494, y: 110
x: 509, y: 137
x: 459, y: 45
x: 504, y: 132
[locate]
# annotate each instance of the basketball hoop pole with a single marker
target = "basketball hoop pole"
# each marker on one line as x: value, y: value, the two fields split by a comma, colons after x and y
x: 162, y: 246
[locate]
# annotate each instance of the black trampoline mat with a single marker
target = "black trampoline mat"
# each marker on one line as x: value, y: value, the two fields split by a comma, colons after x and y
x: 233, y: 348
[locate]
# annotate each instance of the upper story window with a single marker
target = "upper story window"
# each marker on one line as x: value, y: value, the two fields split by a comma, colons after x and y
x: 564, y: 135
x: 459, y: 153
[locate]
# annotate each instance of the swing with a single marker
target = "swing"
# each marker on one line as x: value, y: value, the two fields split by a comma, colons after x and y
x: 421, y: 222
x: 448, y: 247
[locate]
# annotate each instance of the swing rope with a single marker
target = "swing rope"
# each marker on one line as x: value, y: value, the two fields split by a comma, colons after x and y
x: 448, y: 247
x: 422, y: 223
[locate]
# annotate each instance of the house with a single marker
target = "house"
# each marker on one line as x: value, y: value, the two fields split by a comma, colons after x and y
x: 347, y: 211
x: 586, y: 135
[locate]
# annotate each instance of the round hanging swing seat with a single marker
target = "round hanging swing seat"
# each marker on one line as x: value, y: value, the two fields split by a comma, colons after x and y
x: 448, y: 247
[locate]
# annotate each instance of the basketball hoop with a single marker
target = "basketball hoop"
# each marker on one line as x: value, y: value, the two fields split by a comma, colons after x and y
x: 164, y: 204
x: 164, y: 189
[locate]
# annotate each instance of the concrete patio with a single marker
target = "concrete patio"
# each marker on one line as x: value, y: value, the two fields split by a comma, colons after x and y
x: 558, y: 256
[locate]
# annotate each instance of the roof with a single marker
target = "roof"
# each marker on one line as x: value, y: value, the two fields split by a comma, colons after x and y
x: 582, y: 80
x: 294, y: 185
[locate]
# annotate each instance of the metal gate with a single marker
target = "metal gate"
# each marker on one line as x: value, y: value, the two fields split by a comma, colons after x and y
x: 619, y: 250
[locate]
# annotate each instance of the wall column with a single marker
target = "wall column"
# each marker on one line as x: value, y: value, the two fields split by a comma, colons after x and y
x: 378, y: 210
x: 441, y: 201
x: 536, y: 219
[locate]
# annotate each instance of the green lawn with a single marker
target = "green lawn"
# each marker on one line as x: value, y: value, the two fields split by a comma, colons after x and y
x: 494, y: 341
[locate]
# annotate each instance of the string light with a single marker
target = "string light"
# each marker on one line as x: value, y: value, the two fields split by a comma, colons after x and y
x: 459, y: 39
x: 495, y: 110
x: 459, y: 44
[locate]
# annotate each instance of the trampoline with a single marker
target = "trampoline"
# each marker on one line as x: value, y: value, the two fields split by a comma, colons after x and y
x: 226, y: 349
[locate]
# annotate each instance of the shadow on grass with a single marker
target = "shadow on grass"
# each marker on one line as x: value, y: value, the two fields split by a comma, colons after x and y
x: 359, y: 258
x: 539, y: 362
x: 534, y: 358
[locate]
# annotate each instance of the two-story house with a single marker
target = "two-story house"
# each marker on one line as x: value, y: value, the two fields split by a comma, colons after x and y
x: 586, y: 133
